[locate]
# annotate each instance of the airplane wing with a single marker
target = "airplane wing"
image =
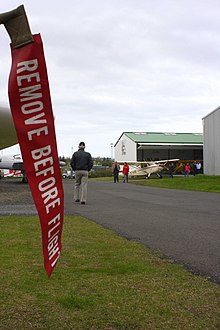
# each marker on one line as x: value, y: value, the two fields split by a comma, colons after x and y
x: 164, y: 161
x: 150, y: 162
x: 8, y: 136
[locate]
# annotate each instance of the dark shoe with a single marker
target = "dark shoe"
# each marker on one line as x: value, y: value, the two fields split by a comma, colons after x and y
x: 83, y: 203
x: 77, y: 201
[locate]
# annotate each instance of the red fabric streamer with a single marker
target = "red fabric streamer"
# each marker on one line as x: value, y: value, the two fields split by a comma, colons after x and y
x: 31, y: 108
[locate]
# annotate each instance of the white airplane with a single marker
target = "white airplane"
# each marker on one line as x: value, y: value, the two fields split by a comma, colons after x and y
x: 15, y: 163
x: 147, y: 168
x: 11, y: 173
x: 8, y: 138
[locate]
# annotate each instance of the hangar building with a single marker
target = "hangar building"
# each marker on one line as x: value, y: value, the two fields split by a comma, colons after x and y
x: 141, y: 146
x: 211, y: 131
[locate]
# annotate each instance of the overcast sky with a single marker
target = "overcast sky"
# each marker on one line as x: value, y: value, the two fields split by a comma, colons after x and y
x: 117, y: 66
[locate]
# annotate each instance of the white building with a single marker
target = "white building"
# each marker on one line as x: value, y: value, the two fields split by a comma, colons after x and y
x: 211, y: 131
x: 141, y: 146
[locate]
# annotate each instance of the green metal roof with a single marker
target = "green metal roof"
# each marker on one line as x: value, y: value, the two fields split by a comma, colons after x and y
x: 178, y: 138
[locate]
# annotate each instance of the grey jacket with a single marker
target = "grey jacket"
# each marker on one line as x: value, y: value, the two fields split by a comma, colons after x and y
x: 81, y: 160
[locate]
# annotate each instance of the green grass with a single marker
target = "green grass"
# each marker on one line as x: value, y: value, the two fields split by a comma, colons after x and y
x: 101, y: 281
x: 197, y: 183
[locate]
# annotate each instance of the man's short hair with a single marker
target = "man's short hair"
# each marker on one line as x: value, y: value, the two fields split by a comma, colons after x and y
x: 82, y: 145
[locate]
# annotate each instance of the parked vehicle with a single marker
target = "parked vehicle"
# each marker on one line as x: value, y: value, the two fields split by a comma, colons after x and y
x: 68, y: 174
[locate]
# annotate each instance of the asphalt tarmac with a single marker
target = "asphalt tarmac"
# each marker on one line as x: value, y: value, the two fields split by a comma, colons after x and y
x: 182, y: 225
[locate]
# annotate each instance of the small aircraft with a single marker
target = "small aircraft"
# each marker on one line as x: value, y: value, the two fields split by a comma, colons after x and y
x: 147, y: 168
x: 8, y: 137
x: 15, y: 163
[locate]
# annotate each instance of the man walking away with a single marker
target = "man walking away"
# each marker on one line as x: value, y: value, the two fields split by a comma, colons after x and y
x: 81, y: 164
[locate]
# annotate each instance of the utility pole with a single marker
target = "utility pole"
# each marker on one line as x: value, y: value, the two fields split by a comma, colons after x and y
x: 111, y: 144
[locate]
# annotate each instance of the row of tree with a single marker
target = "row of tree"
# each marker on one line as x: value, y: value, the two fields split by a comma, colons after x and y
x: 103, y: 161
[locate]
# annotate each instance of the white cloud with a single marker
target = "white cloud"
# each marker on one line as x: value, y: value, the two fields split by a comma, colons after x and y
x: 124, y: 65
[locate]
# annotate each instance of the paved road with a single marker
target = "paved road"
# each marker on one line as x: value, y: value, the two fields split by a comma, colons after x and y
x: 183, y: 225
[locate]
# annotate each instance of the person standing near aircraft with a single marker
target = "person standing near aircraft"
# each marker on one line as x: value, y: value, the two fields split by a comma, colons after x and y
x: 81, y: 164
x: 125, y: 171
x: 171, y: 170
x: 187, y: 170
x: 115, y: 171
x: 199, y: 167
x: 194, y: 169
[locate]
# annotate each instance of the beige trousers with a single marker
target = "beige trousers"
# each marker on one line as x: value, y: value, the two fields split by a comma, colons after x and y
x: 80, y: 188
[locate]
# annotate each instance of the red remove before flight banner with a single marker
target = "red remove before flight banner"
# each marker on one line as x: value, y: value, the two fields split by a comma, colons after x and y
x: 31, y: 108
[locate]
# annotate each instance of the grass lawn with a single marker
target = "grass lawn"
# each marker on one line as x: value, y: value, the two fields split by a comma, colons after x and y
x: 102, y: 281
x: 197, y: 183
